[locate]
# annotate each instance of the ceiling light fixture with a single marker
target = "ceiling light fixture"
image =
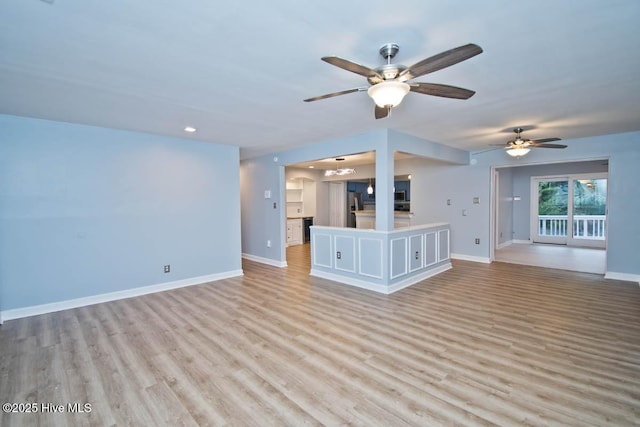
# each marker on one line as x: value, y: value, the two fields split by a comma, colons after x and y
x: 190, y: 129
x: 518, y: 151
x: 369, y: 188
x: 388, y: 93
x: 339, y: 172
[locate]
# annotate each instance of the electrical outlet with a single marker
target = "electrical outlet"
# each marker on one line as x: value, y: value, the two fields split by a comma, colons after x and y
x: 268, y: 243
x: 417, y: 255
x: 477, y: 240
x: 274, y: 205
x: 339, y: 255
x: 476, y: 200
x: 167, y: 268
x: 448, y: 202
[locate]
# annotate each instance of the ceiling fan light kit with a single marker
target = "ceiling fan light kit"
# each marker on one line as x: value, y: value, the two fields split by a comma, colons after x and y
x: 389, y: 83
x: 518, y: 152
x: 388, y: 93
x: 521, y: 146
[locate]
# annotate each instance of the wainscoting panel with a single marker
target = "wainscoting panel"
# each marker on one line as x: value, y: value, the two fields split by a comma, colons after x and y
x: 398, y: 257
x: 380, y: 261
x: 443, y: 245
x: 416, y: 251
x: 322, y: 252
x: 346, y: 247
x: 430, y: 248
x: 370, y: 261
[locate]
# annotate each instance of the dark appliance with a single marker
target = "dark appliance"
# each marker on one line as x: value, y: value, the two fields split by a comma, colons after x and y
x: 306, y: 231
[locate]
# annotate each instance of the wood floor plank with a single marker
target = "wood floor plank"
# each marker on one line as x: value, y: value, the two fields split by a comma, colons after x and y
x: 498, y: 344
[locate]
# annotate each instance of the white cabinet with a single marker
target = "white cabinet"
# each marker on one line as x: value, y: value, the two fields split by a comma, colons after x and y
x: 294, y: 231
x: 300, y: 197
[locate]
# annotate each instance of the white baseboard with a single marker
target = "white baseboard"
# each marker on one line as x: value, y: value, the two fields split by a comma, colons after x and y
x: 522, y: 242
x: 267, y: 261
x: 483, y: 260
x: 622, y: 276
x: 504, y: 244
x: 359, y: 283
x: 418, y: 278
x: 35, y: 310
x: 376, y: 287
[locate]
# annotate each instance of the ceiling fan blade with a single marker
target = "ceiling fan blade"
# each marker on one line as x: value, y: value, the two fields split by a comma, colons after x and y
x: 382, y: 112
x: 331, y: 95
x: 532, y: 144
x: 444, y: 91
x: 543, y: 140
x: 440, y: 61
x: 345, y: 64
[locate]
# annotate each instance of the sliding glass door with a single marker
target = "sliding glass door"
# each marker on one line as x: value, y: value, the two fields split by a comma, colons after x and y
x: 569, y: 210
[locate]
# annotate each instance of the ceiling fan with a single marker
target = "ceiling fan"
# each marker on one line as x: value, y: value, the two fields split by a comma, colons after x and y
x: 520, y: 146
x: 389, y: 83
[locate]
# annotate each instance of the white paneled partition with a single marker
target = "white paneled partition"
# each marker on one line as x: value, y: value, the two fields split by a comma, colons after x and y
x: 378, y: 260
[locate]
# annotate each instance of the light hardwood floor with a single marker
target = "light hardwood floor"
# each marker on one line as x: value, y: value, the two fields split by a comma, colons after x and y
x: 498, y: 344
x: 586, y: 260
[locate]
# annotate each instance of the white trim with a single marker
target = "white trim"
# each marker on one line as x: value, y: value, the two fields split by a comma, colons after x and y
x: 471, y: 258
x: 35, y: 310
x: 504, y: 244
x: 522, y: 242
x: 622, y: 276
x: 267, y: 261
x: 383, y: 289
x: 349, y: 281
x: 418, y: 278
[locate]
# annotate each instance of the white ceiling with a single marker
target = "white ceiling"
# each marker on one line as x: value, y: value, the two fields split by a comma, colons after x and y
x: 238, y: 71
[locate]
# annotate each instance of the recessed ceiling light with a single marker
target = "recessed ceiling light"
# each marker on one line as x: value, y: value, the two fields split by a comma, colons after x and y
x: 190, y: 129
x: 311, y: 167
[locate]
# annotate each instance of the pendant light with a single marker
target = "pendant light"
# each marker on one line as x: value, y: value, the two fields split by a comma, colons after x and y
x: 369, y: 188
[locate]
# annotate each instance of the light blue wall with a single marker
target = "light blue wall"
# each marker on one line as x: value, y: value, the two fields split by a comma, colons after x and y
x: 623, y: 152
x: 261, y: 221
x: 87, y: 210
x: 522, y: 188
x: 435, y: 181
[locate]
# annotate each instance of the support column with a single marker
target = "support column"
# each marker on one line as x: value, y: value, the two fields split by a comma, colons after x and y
x: 384, y: 187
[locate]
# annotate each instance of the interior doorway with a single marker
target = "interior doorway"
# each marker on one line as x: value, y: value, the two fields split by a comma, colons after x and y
x: 576, y: 198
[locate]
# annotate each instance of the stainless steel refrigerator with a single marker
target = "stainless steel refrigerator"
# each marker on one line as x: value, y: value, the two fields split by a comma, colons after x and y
x: 354, y: 203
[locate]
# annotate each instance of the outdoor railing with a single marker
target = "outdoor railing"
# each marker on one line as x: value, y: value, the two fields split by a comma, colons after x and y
x: 584, y: 226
